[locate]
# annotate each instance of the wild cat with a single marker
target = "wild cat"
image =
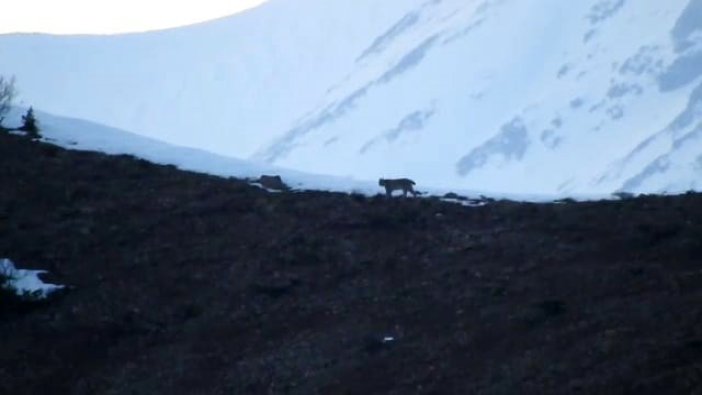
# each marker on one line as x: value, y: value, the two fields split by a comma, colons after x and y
x: 396, y: 184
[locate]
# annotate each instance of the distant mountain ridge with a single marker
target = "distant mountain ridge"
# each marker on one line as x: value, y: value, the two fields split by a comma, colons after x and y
x: 521, y: 96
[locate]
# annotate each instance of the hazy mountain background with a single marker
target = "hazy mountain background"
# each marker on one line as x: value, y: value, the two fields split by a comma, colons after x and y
x: 537, y: 96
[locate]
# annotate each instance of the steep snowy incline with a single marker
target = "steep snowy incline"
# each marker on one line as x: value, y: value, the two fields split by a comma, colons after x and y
x: 227, y: 85
x: 526, y: 96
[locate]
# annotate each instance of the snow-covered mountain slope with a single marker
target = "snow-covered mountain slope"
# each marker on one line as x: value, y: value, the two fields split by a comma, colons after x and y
x: 537, y: 96
x: 227, y: 86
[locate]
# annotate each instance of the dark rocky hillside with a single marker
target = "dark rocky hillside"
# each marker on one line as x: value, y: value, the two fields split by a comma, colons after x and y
x: 189, y: 284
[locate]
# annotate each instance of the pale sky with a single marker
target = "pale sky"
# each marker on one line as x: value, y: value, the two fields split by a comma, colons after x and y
x: 111, y: 16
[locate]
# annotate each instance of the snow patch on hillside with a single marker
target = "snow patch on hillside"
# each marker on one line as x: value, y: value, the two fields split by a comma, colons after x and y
x: 25, y: 283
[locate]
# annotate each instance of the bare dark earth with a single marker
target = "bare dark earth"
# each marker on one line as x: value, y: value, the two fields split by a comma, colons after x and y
x: 190, y: 284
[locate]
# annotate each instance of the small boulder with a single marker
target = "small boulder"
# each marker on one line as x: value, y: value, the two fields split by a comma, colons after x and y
x: 273, y: 182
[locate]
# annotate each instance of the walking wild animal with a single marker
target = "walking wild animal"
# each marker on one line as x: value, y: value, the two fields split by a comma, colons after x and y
x: 397, y: 184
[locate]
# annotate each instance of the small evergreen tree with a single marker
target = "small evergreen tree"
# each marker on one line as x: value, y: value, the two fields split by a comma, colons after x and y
x: 29, y: 124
